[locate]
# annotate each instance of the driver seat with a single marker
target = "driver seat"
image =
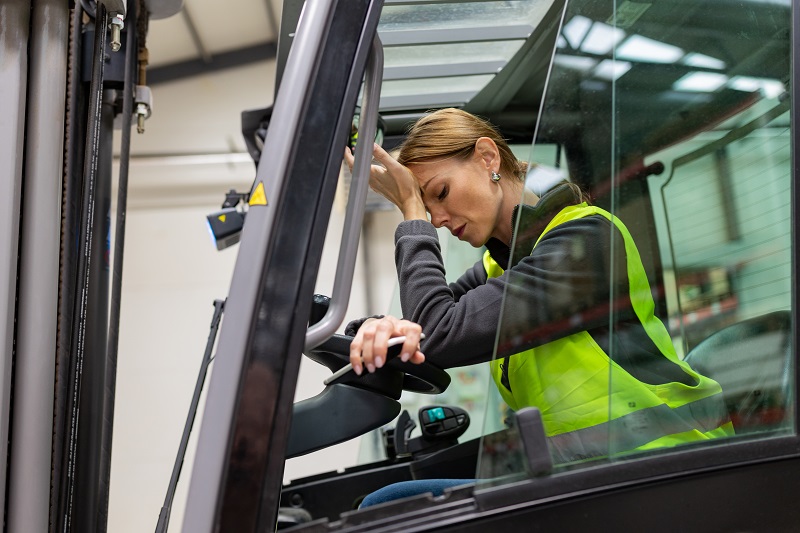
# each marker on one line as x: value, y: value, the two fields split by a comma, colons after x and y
x: 752, y: 362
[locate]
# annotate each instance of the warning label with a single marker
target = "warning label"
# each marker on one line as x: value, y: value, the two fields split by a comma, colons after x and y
x: 258, y: 197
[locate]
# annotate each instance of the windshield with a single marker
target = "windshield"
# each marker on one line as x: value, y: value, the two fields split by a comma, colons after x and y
x: 658, y: 315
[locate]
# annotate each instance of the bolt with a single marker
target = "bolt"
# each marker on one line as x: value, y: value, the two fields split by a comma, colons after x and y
x: 296, y: 500
x: 141, y: 114
x: 116, y: 23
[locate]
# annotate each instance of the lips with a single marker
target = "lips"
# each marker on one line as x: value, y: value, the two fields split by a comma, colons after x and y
x: 458, y: 232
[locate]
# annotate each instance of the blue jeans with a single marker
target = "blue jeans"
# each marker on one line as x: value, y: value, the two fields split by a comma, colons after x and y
x: 404, y: 489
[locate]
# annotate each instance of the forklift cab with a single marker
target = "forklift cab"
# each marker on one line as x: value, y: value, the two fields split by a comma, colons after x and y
x: 675, y: 117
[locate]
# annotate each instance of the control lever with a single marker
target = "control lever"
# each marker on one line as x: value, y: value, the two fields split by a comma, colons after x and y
x: 443, y: 423
x: 441, y: 426
x: 402, y: 433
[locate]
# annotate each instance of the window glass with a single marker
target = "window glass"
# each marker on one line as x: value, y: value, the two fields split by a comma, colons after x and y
x: 723, y: 218
x: 442, y: 54
x: 462, y: 15
x: 431, y: 92
x: 656, y: 315
x: 468, y: 387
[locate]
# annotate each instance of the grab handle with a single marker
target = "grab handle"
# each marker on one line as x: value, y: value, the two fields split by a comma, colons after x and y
x: 343, y: 281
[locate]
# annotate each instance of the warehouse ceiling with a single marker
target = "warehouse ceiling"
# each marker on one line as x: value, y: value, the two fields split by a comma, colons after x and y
x: 208, y: 36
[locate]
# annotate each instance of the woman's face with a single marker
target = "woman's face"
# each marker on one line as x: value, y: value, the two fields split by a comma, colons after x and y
x: 461, y: 196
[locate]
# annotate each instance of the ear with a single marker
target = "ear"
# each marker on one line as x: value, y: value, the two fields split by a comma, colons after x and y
x: 486, y: 153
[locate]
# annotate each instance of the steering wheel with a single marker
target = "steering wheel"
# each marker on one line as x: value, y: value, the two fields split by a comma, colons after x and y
x: 394, y: 377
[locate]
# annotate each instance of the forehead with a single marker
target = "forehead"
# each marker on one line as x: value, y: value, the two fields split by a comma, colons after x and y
x: 429, y: 171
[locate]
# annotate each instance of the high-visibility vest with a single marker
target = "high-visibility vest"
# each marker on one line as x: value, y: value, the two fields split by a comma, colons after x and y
x: 590, y: 405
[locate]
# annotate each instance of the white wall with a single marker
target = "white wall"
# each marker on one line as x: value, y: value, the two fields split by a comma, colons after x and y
x: 172, y: 274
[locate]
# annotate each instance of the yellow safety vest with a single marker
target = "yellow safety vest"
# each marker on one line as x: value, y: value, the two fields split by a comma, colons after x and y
x: 590, y: 405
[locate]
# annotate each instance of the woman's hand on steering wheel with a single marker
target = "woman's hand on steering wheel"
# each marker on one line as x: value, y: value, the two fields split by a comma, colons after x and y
x: 369, y: 346
x: 395, y: 182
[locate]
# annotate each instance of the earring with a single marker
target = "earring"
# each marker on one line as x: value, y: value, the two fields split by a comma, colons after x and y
x: 495, y: 176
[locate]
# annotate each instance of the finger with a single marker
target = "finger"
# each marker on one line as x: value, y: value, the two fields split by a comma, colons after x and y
x: 384, y: 158
x: 366, y: 350
x: 384, y: 331
x: 349, y: 159
x: 417, y: 358
x: 413, y: 334
x: 355, y: 354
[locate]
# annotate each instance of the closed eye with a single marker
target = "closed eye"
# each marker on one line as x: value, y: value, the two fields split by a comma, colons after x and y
x: 443, y: 193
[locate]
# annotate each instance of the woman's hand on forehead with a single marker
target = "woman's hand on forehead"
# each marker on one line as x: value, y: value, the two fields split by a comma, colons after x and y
x: 394, y: 182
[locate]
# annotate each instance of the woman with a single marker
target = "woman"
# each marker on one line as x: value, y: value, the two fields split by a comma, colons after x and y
x: 554, y: 267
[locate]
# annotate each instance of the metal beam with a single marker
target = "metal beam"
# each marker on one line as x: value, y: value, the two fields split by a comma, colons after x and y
x: 241, y: 447
x: 426, y: 101
x: 198, y: 67
x: 442, y: 70
x: 39, y: 251
x: 455, y: 35
x: 424, y: 2
x: 208, y: 482
x: 13, y: 86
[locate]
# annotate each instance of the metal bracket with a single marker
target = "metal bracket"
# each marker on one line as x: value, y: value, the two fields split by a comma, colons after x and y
x: 534, y: 440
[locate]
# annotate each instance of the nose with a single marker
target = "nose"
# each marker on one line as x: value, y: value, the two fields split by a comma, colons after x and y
x: 438, y: 217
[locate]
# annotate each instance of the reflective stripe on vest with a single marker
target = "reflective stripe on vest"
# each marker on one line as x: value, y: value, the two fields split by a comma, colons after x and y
x: 590, y: 405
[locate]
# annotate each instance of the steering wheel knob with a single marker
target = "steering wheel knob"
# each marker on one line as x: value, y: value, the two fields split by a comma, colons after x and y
x: 424, y: 378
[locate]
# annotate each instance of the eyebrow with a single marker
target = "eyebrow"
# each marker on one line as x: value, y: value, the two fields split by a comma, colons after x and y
x: 423, y: 187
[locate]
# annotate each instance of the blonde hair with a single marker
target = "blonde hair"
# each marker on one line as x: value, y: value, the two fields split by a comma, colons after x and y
x: 453, y: 133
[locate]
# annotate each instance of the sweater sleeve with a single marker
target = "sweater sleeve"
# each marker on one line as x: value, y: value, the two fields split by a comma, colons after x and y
x: 474, y: 277
x: 470, y: 279
x: 548, y: 295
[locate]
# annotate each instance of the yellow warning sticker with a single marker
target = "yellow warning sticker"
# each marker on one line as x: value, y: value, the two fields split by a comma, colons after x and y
x: 222, y: 218
x: 258, y: 197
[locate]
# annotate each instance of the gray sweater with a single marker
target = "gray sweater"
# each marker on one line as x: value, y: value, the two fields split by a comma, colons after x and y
x: 563, y: 286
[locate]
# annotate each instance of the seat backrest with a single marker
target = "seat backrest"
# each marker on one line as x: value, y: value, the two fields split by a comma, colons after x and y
x: 752, y: 362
